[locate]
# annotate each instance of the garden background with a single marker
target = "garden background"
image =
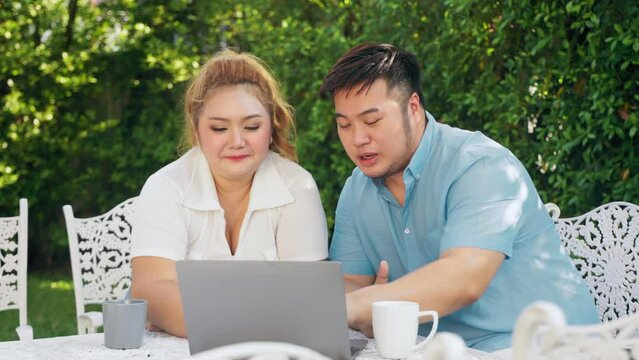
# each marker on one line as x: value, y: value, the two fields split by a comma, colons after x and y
x: 90, y: 98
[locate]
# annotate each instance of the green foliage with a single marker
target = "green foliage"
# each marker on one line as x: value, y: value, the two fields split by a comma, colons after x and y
x: 556, y: 83
x: 51, y: 310
x: 90, y: 94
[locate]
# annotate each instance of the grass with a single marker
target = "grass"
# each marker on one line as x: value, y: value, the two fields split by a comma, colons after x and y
x: 51, y: 308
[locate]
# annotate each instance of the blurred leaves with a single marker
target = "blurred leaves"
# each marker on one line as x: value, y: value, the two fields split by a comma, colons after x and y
x: 89, y: 108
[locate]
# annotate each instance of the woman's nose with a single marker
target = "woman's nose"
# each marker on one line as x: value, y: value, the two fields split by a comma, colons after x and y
x: 237, y: 138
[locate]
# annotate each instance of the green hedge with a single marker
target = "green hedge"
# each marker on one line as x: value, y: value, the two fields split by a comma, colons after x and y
x: 90, y: 94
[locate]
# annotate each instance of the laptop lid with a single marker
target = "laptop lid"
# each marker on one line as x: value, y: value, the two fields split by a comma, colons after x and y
x: 230, y: 301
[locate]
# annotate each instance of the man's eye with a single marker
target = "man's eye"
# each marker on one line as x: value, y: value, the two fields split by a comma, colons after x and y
x: 373, y: 122
x: 343, y: 126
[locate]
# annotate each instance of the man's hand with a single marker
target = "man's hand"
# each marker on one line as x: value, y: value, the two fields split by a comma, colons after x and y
x: 152, y: 328
x: 359, y: 306
x: 382, y: 273
x: 357, y: 311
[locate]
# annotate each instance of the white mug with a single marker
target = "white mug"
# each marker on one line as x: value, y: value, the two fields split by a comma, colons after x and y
x: 395, y: 325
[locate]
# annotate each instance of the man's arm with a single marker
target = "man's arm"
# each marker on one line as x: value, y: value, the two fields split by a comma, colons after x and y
x: 457, y: 279
x: 356, y: 282
x: 155, y: 279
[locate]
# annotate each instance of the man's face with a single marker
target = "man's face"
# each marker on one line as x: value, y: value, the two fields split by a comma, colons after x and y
x: 375, y: 129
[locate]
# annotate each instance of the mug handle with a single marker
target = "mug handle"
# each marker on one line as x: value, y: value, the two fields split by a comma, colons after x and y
x: 435, y: 317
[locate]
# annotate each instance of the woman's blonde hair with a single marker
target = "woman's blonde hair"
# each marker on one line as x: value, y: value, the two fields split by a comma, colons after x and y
x: 229, y: 67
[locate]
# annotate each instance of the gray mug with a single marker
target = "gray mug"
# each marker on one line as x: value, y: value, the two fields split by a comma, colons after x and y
x: 124, y: 323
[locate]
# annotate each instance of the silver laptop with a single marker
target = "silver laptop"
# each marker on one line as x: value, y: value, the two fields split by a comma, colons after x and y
x: 302, y: 303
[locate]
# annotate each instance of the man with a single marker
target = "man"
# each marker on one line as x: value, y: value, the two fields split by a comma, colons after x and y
x: 438, y: 215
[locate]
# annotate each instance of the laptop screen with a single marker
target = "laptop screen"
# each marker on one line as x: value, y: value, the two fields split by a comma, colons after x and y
x: 231, y: 301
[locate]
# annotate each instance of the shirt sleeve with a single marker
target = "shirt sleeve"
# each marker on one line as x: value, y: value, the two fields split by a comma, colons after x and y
x: 485, y: 206
x: 302, y: 232
x: 346, y: 246
x: 159, y: 227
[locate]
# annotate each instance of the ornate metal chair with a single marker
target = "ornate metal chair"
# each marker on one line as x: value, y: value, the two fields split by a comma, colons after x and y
x: 260, y: 350
x: 604, y: 246
x: 100, y: 251
x: 13, y: 267
x: 541, y: 333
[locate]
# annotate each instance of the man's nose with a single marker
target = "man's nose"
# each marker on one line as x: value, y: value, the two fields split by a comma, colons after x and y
x: 361, y: 135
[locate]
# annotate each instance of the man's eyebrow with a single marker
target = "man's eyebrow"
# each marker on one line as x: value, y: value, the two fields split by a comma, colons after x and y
x: 365, y: 112
x: 247, y: 117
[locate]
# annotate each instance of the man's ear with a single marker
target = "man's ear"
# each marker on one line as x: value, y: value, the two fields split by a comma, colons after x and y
x: 414, y: 105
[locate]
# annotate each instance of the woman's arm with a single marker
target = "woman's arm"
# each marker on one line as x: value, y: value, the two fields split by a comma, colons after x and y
x: 155, y: 279
x: 159, y: 239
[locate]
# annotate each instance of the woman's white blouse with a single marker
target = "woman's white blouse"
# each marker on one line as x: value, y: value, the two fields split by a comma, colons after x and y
x: 178, y: 215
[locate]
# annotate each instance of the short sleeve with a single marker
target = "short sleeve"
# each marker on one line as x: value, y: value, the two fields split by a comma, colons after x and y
x: 301, y: 231
x: 485, y: 206
x: 159, y: 226
x: 346, y: 245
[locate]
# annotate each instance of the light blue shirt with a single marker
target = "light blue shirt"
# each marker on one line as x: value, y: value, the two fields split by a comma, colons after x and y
x: 463, y: 190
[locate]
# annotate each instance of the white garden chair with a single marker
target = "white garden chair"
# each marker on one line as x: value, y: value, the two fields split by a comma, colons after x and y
x: 444, y: 346
x: 541, y: 333
x: 100, y: 249
x: 260, y: 350
x: 604, y: 246
x: 13, y: 267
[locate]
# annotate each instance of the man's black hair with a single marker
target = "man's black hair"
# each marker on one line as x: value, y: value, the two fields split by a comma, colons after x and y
x: 363, y: 64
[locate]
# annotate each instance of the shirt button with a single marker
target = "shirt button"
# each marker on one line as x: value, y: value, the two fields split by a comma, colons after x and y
x: 407, y: 231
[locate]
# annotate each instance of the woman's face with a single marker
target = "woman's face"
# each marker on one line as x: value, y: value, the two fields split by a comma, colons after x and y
x: 234, y: 132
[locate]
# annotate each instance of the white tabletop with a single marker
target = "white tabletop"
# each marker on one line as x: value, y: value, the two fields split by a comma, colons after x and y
x: 156, y: 345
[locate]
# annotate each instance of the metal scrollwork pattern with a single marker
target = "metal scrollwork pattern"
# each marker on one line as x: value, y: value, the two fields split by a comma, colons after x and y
x: 105, y: 251
x: 9, y: 263
x: 541, y: 332
x: 612, y: 340
x: 604, y: 246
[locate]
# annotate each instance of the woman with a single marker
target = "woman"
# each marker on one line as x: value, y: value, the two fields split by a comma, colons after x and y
x: 236, y: 194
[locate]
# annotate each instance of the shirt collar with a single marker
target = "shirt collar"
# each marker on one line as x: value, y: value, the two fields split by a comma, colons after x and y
x: 267, y: 191
x: 418, y: 161
x: 201, y: 193
x: 422, y: 153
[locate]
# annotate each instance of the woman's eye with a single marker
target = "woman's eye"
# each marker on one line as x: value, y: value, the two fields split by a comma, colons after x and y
x: 218, y: 129
x: 343, y: 126
x: 252, y: 127
x: 373, y: 122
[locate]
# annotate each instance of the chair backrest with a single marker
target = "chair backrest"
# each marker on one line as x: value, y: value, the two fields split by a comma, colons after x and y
x: 261, y: 350
x: 541, y: 333
x: 100, y: 249
x: 13, y: 262
x: 604, y: 246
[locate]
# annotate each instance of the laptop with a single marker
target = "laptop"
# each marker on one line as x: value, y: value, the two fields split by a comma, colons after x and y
x: 298, y: 302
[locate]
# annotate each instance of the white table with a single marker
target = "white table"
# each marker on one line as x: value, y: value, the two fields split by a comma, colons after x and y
x: 156, y: 345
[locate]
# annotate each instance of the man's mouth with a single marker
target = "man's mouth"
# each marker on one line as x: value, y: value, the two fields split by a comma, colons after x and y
x: 367, y: 156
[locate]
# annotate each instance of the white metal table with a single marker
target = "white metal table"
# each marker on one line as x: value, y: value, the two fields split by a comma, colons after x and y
x: 156, y: 345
